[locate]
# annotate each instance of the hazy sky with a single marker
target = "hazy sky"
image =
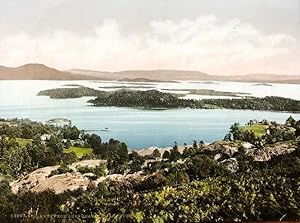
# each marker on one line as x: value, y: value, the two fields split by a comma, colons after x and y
x: 212, y: 36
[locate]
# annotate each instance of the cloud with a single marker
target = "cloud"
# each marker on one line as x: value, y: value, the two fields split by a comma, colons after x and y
x: 206, y: 44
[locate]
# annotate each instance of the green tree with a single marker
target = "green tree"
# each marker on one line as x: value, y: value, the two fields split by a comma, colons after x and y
x: 236, y: 131
x: 136, y: 162
x: 290, y: 121
x: 95, y: 141
x: 201, y: 167
x: 166, y: 155
x: 69, y: 158
x: 249, y: 136
x: 297, y: 127
x: 27, y: 132
x: 188, y: 152
x: 195, y: 146
x: 8, y: 202
x: 227, y: 137
x: 175, y: 154
x: 56, y: 145
x: 156, y: 154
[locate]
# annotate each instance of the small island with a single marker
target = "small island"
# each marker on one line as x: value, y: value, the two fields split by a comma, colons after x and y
x: 263, y: 84
x: 76, y: 92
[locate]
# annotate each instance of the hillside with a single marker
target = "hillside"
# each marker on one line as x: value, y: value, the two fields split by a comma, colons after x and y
x: 38, y: 72
x: 42, y: 72
x: 171, y: 75
x: 264, y: 78
x: 245, y: 177
x: 146, y: 75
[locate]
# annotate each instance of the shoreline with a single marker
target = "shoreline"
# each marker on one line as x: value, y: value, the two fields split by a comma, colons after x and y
x: 291, y: 81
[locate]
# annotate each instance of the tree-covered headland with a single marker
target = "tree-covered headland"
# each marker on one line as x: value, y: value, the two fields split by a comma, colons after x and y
x: 153, y: 99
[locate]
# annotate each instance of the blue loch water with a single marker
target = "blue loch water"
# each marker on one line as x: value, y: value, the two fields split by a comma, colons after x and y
x: 138, y: 128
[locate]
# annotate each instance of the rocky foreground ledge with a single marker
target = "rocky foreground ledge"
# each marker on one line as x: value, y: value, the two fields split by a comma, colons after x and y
x: 48, y: 177
x: 42, y: 179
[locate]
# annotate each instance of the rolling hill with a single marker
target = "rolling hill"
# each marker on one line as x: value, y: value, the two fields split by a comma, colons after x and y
x: 42, y: 72
x: 171, y: 75
x: 38, y: 72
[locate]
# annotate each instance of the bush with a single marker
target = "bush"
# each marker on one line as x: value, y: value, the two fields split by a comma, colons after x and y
x: 63, y: 168
x: 201, y: 167
x: 99, y: 171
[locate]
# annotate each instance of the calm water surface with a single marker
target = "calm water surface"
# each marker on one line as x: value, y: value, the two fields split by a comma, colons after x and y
x: 138, y: 128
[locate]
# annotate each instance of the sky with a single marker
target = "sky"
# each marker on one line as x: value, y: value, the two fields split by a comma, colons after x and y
x: 213, y: 36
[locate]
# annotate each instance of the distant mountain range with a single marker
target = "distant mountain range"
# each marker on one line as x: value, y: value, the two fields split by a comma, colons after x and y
x: 37, y: 72
x: 171, y: 75
x: 42, y: 72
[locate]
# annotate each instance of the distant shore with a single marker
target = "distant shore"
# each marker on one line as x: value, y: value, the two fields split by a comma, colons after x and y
x: 36, y: 71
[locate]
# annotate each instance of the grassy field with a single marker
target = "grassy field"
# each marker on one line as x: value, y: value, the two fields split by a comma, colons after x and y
x: 23, y: 142
x: 258, y: 129
x: 78, y: 151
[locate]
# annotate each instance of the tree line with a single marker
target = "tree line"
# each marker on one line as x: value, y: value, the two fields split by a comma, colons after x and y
x: 197, y: 185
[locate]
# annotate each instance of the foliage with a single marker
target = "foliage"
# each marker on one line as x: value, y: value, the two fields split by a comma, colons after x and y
x: 175, y: 154
x: 23, y: 142
x: 290, y: 122
x: 258, y: 129
x: 194, y: 186
x: 262, y: 133
x: 156, y: 154
x: 99, y: 170
x: 269, y: 103
x: 201, y: 167
x: 136, y: 162
x: 14, y: 159
x: 70, y: 92
x: 144, y: 99
x: 63, y: 168
x: 236, y: 131
x: 72, y: 133
x: 94, y: 141
x: 80, y: 152
x: 156, y: 99
x: 8, y: 201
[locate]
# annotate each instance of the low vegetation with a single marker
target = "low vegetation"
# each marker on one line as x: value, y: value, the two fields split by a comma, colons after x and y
x: 223, y: 181
x: 79, y: 151
x: 269, y: 103
x: 258, y: 129
x: 23, y: 142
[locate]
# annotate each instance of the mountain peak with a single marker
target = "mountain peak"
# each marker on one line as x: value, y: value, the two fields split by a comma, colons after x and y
x: 35, y: 71
x: 34, y: 66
